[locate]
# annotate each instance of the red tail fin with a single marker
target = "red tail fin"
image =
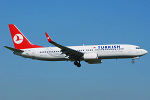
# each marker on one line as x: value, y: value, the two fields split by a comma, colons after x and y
x: 19, y: 40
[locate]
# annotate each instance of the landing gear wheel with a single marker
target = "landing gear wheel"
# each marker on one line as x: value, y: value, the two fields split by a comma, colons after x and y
x: 78, y: 65
x: 75, y: 63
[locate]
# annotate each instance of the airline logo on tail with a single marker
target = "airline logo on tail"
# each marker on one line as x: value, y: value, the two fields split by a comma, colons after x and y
x: 18, y: 38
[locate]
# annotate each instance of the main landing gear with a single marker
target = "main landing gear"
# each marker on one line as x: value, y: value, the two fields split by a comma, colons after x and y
x: 77, y: 63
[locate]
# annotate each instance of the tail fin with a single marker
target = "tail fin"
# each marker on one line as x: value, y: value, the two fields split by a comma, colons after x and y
x: 19, y: 40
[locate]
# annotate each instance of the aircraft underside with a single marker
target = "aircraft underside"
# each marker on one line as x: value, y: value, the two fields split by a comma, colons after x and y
x: 77, y: 61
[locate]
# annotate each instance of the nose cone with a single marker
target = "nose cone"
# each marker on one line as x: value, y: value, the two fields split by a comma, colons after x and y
x: 145, y: 52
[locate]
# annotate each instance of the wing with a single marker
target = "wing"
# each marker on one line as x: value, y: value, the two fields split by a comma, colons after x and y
x: 73, y: 54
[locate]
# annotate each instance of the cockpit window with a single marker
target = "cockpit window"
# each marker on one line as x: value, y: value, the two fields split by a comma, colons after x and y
x: 138, y: 48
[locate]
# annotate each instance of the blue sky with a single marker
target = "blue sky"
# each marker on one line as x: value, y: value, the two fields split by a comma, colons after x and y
x: 75, y: 22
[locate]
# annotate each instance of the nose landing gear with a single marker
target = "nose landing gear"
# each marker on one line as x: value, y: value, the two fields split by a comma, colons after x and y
x: 132, y: 61
x: 77, y: 63
x: 134, y: 58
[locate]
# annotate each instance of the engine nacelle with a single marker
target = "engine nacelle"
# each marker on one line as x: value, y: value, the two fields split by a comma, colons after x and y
x: 90, y: 56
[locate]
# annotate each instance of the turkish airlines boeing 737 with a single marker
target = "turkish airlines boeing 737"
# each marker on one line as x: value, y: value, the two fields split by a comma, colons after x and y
x: 92, y: 54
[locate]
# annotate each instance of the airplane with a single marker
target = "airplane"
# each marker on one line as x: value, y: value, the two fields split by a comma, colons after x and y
x: 92, y: 54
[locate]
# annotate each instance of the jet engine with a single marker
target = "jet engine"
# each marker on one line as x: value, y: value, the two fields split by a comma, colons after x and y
x: 91, y: 58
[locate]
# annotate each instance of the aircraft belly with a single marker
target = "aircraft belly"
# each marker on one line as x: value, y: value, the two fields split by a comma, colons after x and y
x: 115, y: 55
x: 51, y: 57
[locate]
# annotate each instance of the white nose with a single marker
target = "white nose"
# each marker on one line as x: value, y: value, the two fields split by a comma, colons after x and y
x: 145, y: 52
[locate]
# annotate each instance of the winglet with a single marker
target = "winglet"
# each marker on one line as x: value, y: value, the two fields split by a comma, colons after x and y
x: 48, y: 38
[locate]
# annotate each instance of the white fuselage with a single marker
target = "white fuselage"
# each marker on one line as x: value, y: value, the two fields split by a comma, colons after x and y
x: 113, y: 51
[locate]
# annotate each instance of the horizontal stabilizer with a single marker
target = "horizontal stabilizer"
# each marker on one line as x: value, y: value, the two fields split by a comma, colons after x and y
x: 13, y: 49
